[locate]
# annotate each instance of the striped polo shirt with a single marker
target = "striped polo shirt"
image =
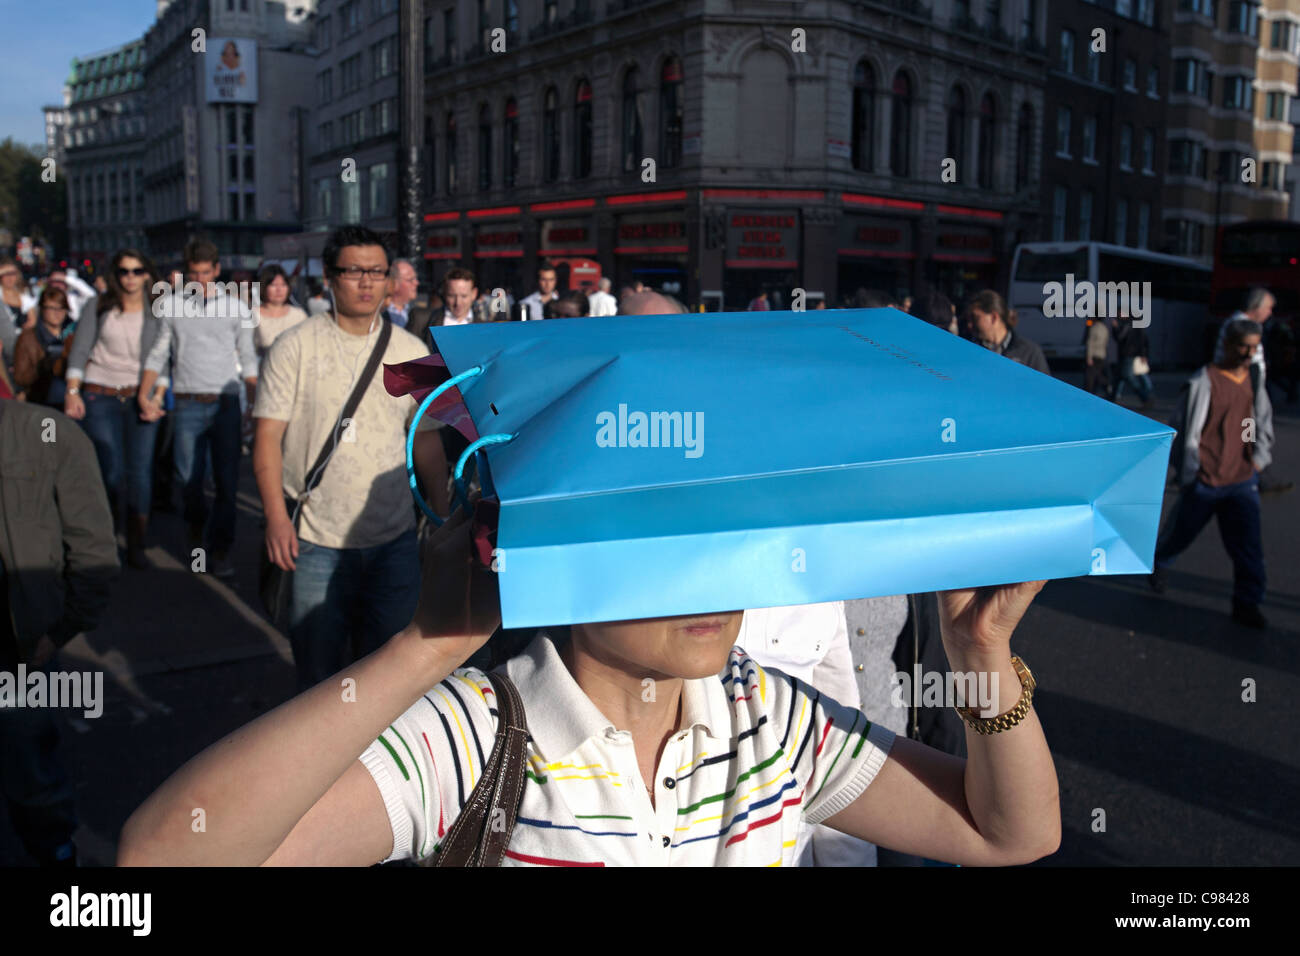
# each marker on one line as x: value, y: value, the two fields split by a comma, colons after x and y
x: 757, y: 753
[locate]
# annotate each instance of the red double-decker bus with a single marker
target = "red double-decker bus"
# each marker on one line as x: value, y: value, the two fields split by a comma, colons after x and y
x: 1260, y: 252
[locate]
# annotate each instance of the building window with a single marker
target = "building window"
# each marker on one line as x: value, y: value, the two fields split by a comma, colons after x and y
x: 1281, y: 35
x: 1089, y: 151
x: 1153, y: 82
x: 1121, y: 222
x: 1185, y: 237
x: 1275, y: 106
x: 987, y: 147
x: 900, y: 149
x: 582, y: 130
x: 1192, y: 76
x: 512, y: 17
x: 351, y: 211
x: 1237, y: 93
x: 1204, y: 7
x: 1126, y: 146
x: 1243, y: 17
x: 1060, y: 198
x: 350, y: 23
x: 1063, y: 121
x: 1065, y: 60
x: 550, y: 136
x: 449, y: 32
x: 323, y: 32
x: 1131, y: 75
x: 429, y: 45
x: 670, y: 113
x: 864, y: 117
x: 484, y: 148
x: 485, y: 25
x: 1149, y: 151
x: 1187, y: 158
x: 550, y: 12
x: 1024, y: 146
x: 994, y: 14
x: 380, y: 194
x: 1094, y: 65
x: 511, y: 144
x: 1272, y: 176
x: 450, y: 148
x: 1144, y: 225
x: 383, y: 58
x: 956, y: 142
x: 632, y: 146
x: 1085, y: 215
x: 350, y: 74
x: 1029, y: 21
x: 1146, y: 12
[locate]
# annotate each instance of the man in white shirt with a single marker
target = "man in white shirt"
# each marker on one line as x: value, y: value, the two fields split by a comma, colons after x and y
x: 546, y: 281
x: 602, y: 303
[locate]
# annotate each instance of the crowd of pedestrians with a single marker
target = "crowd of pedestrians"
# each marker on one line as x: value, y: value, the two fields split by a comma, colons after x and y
x: 366, y: 581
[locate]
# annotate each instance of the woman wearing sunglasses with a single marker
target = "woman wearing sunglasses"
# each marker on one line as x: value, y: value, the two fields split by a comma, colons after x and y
x: 638, y: 754
x: 114, y: 336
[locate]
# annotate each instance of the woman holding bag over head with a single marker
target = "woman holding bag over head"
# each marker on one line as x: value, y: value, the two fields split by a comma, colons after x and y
x: 114, y: 336
x: 699, y: 771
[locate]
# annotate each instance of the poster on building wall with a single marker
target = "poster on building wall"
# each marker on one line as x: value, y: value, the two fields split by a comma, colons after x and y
x: 230, y: 68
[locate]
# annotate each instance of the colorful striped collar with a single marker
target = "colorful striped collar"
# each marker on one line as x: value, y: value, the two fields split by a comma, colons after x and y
x: 561, y: 717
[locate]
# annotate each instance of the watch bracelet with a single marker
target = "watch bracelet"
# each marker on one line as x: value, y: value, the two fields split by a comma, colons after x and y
x: 995, y: 725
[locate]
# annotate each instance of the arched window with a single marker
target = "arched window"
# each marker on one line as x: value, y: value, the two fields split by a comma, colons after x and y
x: 632, y: 147
x: 484, y: 147
x: 864, y: 117
x: 670, y: 113
x: 510, y: 161
x: 987, y: 147
x: 956, y: 142
x: 451, y: 153
x: 582, y: 130
x: 550, y: 137
x: 1024, y: 146
x: 900, y: 150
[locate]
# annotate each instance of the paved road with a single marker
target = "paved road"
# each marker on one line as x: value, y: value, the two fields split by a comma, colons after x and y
x: 1140, y: 694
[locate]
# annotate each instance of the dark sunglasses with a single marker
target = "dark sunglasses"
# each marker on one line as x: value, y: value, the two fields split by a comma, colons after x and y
x: 132, y: 272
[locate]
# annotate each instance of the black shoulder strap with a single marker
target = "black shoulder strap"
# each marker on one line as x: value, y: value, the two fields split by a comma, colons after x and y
x: 317, y: 471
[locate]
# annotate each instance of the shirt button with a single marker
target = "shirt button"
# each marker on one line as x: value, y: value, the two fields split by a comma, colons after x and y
x: 669, y: 782
x: 861, y: 631
x: 859, y: 667
x: 666, y: 841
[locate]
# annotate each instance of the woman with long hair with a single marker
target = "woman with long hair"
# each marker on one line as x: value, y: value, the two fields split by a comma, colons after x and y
x: 273, y: 313
x: 41, y: 352
x: 993, y: 326
x: 113, y: 339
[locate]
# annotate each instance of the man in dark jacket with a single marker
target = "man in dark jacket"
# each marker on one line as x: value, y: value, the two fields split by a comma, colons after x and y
x: 58, y: 560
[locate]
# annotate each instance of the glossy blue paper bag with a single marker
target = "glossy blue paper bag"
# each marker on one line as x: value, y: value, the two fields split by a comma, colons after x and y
x: 686, y: 464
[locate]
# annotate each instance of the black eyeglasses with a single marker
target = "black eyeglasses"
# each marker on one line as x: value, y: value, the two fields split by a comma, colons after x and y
x: 354, y: 273
x: 132, y: 272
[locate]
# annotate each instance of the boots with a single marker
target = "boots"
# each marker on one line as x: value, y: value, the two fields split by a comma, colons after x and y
x: 135, y: 529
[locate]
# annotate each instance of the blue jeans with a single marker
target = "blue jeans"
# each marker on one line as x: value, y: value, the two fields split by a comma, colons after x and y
x: 201, y: 427
x: 1237, y: 508
x: 123, y: 443
x: 346, y: 602
x: 1139, y: 383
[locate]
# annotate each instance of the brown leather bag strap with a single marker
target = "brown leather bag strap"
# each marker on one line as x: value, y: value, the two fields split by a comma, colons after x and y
x: 481, y: 833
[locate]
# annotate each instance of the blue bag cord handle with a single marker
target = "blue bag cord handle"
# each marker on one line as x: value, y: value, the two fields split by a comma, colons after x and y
x: 410, y: 439
x: 498, y: 439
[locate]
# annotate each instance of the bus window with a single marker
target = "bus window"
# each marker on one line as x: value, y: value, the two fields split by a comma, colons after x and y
x: 1051, y: 266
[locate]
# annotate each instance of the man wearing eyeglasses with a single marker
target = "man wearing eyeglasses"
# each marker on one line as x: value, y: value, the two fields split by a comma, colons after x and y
x: 208, y: 352
x: 353, y: 550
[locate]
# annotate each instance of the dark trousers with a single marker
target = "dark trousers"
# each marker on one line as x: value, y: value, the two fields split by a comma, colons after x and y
x: 124, y: 446
x: 1095, y: 377
x: 1237, y: 509
x: 202, y: 428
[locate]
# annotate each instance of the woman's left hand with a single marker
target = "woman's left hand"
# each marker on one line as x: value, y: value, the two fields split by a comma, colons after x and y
x: 982, y: 620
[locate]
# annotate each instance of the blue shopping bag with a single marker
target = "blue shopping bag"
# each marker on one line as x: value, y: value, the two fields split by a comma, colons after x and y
x: 659, y: 465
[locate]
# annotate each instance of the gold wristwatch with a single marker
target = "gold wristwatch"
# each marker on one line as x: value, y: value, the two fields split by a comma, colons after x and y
x: 995, y: 725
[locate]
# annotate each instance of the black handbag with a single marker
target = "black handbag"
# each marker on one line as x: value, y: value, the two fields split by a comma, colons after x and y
x: 274, y: 583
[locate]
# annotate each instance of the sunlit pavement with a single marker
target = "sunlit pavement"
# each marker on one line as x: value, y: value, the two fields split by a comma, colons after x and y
x: 1160, y: 760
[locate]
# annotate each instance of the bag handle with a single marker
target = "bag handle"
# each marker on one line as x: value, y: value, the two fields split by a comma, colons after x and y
x: 317, y: 471
x: 481, y: 833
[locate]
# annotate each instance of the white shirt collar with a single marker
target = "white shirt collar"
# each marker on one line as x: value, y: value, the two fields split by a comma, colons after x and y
x: 449, y: 319
x: 561, y: 717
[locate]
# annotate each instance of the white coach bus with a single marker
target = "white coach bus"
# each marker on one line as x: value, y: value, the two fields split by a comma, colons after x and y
x: 1178, y: 312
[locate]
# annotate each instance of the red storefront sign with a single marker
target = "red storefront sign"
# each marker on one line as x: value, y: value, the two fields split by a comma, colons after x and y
x: 498, y: 241
x: 663, y: 234
x: 762, y: 239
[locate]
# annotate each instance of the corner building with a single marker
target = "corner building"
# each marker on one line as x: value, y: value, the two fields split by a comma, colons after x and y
x: 714, y: 148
